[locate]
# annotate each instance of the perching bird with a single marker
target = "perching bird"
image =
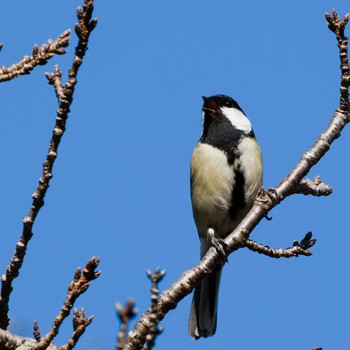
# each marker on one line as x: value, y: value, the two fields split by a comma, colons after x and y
x: 226, y: 177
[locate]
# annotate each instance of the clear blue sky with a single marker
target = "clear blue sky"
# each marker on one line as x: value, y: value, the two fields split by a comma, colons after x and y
x: 121, y: 182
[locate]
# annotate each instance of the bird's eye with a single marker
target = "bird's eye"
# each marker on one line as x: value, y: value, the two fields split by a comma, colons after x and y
x: 228, y: 104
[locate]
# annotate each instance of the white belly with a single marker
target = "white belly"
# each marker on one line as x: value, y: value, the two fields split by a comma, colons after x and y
x: 212, y: 185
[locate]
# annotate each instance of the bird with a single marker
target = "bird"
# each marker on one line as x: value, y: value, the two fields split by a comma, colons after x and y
x: 226, y: 178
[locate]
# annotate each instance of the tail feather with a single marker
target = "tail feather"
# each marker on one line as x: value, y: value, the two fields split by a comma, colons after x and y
x: 203, y: 314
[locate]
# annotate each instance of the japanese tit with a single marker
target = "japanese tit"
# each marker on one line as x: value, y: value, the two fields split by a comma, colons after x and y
x: 226, y: 176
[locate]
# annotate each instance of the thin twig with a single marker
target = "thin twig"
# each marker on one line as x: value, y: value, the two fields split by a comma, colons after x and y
x: 36, y: 332
x: 77, y: 287
x: 297, y: 249
x: 191, y: 278
x: 337, y: 26
x: 154, y: 330
x: 79, y: 326
x: 125, y: 315
x: 54, y: 79
x: 65, y: 97
x: 315, y: 188
x: 39, y: 57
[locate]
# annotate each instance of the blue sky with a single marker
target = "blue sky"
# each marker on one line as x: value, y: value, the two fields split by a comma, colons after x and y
x: 121, y: 182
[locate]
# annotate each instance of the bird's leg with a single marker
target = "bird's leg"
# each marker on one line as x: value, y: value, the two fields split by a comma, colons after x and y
x: 218, y: 243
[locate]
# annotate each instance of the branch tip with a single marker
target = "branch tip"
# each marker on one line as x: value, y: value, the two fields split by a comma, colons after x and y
x: 89, y: 270
x: 36, y: 331
x: 76, y: 288
x: 335, y: 24
x: 125, y: 315
x: 157, y: 276
x: 39, y: 57
x: 294, y: 251
x: 314, y: 187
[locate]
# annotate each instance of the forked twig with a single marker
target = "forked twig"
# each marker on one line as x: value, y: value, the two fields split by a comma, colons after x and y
x: 297, y: 249
x: 79, y: 326
x: 154, y: 330
x: 77, y: 287
x: 39, y: 57
x: 125, y: 315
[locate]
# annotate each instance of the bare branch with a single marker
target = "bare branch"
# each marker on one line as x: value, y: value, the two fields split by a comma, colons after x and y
x: 297, y: 249
x: 36, y: 332
x: 55, y: 80
x: 39, y: 57
x: 315, y: 188
x: 78, y: 286
x: 125, y: 315
x: 337, y: 26
x: 264, y: 203
x: 79, y: 326
x: 83, y: 30
x: 10, y: 341
x: 65, y: 98
x: 154, y: 330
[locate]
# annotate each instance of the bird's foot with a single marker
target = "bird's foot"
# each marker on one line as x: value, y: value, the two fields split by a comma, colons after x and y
x: 219, y: 244
x: 267, y: 195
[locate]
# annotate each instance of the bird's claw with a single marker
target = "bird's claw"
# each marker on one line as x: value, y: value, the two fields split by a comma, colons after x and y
x: 219, y: 244
x: 221, y: 247
x: 266, y: 195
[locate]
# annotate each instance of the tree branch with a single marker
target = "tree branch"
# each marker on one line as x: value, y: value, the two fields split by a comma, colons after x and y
x: 10, y: 341
x: 77, y: 287
x: 39, y: 57
x: 79, y: 326
x: 55, y: 79
x: 125, y: 315
x: 297, y: 249
x: 65, y: 98
x: 264, y: 203
x: 36, y: 332
x: 315, y: 188
x: 337, y: 26
x: 154, y: 330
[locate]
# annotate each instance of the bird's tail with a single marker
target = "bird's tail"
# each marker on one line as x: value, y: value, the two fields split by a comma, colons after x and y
x: 202, y: 322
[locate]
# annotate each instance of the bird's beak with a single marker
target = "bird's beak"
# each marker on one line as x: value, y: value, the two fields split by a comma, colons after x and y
x: 206, y: 109
x: 209, y: 106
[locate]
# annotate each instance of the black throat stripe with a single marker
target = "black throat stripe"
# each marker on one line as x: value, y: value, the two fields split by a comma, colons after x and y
x: 221, y: 134
x: 238, y: 196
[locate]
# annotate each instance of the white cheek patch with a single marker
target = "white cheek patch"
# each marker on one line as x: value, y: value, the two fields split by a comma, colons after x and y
x: 203, y: 114
x: 237, y: 119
